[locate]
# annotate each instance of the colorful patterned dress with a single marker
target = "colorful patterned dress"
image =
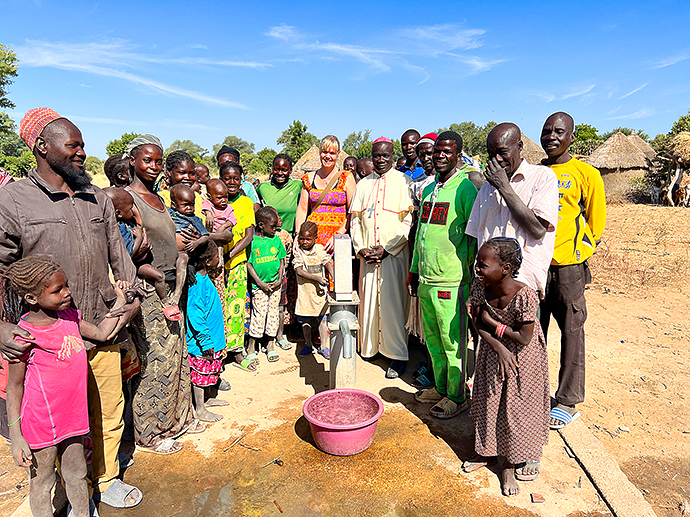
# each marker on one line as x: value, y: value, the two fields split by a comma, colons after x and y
x: 330, y: 215
x: 511, y: 416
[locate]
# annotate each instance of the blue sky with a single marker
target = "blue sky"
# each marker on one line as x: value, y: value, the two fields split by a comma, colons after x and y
x: 204, y: 70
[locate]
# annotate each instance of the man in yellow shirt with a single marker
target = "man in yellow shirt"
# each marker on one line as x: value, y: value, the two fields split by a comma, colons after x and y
x: 581, y: 220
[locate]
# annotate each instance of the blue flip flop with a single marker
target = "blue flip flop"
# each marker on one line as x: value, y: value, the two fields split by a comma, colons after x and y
x: 563, y: 416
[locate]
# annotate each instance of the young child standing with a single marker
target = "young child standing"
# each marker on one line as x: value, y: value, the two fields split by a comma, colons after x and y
x: 46, y: 394
x: 311, y: 262
x: 266, y: 267
x: 205, y: 332
x: 510, y: 399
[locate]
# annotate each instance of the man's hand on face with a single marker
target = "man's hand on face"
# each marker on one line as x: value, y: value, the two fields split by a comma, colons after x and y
x: 496, y: 175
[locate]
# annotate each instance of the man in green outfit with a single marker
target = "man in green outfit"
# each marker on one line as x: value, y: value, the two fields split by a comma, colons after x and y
x: 441, y: 274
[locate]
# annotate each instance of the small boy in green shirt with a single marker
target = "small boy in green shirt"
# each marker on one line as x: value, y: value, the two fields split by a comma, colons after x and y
x: 266, y: 267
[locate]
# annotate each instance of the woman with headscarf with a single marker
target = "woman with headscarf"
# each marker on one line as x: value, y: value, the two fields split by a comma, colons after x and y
x: 326, y: 195
x: 162, y: 400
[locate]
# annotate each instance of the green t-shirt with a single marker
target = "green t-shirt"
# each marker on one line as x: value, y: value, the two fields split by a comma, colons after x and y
x: 266, y: 254
x: 284, y: 200
x: 443, y: 252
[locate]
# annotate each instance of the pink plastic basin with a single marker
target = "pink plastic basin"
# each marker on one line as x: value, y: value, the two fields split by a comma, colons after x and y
x: 343, y: 422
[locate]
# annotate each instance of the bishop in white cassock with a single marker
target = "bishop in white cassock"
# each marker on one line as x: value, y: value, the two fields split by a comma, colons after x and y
x: 381, y: 215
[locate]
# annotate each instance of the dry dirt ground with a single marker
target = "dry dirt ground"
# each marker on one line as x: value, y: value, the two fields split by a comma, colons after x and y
x: 637, y: 387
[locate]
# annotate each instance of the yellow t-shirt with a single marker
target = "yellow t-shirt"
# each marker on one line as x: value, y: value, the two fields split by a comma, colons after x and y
x: 198, y: 200
x: 581, y: 212
x: 244, y: 211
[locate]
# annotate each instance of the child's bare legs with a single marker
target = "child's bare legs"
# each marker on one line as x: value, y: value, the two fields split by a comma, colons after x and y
x: 323, y: 331
x: 156, y: 276
x: 72, y: 470
x: 306, y: 331
x: 200, y: 410
x: 180, y: 277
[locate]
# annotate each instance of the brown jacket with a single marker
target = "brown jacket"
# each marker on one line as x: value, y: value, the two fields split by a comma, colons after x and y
x: 79, y: 232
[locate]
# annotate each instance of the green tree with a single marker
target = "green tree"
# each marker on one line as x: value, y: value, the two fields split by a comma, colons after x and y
x: 586, y: 139
x: 11, y: 143
x: 659, y: 143
x: 93, y: 165
x: 18, y: 166
x: 8, y: 70
x: 296, y: 140
x: 241, y: 145
x: 626, y: 131
x: 197, y: 152
x: 118, y: 146
x: 259, y: 164
x: 358, y: 144
x: 682, y: 124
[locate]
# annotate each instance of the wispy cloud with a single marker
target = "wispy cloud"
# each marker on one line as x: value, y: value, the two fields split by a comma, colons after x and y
x: 641, y: 113
x: 112, y: 58
x: 141, y: 123
x: 672, y: 60
x: 634, y: 91
x: 578, y: 93
x: 432, y: 42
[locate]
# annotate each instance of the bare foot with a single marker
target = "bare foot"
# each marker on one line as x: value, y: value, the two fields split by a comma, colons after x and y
x: 214, y: 402
x: 476, y: 463
x: 528, y: 471
x: 204, y: 415
x: 509, y: 483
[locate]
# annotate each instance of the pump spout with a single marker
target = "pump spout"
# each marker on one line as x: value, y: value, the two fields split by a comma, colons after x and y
x: 347, y: 339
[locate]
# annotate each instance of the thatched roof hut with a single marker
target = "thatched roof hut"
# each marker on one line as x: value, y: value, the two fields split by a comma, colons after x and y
x: 311, y: 161
x: 531, y: 151
x: 642, y: 146
x: 617, y: 153
x: 679, y: 148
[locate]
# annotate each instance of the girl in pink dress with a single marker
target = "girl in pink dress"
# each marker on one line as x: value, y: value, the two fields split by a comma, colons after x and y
x: 46, y: 394
x: 510, y: 397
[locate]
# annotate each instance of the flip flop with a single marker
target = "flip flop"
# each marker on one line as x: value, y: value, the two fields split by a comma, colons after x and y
x: 284, y: 344
x: 475, y: 463
x: 165, y: 447
x: 196, y: 427
x: 562, y: 416
x: 421, y: 369
x: 307, y: 350
x: 324, y: 352
x: 172, y: 313
x: 524, y: 477
x: 125, y: 460
x: 423, y: 382
x: 448, y: 409
x: 254, y: 358
x: 116, y: 495
x: 272, y: 356
x: 247, y: 365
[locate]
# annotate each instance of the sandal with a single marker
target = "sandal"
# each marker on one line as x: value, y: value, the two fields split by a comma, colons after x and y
x: 167, y: 446
x: 272, y: 356
x: 448, y: 409
x: 247, y: 365
x: 423, y: 382
x: 477, y: 462
x: 284, y: 344
x: 172, y: 313
x: 430, y: 396
x: 254, y: 358
x: 562, y: 417
x: 421, y: 369
x: 324, y: 352
x: 196, y: 427
x: 117, y: 493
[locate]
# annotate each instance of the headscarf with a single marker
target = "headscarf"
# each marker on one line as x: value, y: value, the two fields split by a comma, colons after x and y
x: 227, y: 150
x: 34, y: 122
x: 142, y: 140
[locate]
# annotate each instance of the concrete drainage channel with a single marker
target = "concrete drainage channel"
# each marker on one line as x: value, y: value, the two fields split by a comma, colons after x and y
x: 620, y: 495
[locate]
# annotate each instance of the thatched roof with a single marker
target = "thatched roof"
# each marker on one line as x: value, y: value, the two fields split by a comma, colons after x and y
x: 642, y: 146
x: 311, y: 161
x: 618, y: 152
x: 531, y: 151
x: 679, y: 148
